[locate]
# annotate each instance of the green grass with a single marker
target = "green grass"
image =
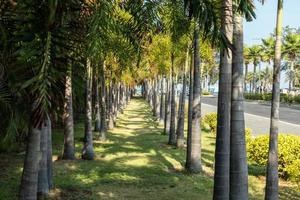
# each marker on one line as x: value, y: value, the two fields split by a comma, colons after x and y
x: 134, y: 163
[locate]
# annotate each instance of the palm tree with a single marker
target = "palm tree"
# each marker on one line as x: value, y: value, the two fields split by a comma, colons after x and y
x: 272, y: 166
x: 255, y: 53
x: 291, y: 49
x: 238, y: 158
x: 266, y: 77
x: 181, y: 112
x: 103, y: 123
x: 97, y: 100
x: 247, y: 60
x: 167, y: 107
x: 222, y: 152
x: 172, y: 134
x: 88, y: 150
x: 69, y: 148
x: 193, y: 162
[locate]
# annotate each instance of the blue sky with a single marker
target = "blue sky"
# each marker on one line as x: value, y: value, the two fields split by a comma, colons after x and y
x: 264, y: 23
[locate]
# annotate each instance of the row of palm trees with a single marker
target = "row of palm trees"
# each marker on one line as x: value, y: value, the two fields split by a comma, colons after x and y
x: 231, y: 171
x: 53, y: 53
x: 259, y: 80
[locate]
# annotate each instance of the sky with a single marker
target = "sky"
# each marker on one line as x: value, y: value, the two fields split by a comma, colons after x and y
x: 265, y: 22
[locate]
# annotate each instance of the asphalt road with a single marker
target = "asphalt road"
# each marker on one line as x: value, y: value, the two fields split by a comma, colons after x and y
x: 257, y: 116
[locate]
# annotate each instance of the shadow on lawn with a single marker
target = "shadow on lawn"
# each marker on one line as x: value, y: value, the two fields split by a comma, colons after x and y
x: 135, y: 163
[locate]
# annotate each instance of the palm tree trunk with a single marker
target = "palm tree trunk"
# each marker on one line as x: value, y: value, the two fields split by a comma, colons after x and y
x: 49, y: 154
x: 194, y: 165
x: 272, y: 166
x: 190, y: 114
x: 172, y: 135
x: 157, y: 107
x: 88, y: 150
x: 154, y: 97
x: 254, y: 86
x: 110, y: 107
x: 97, y: 102
x: 238, y: 158
x: 103, y: 123
x: 162, y: 101
x: 29, y: 182
x: 246, y: 74
x: 69, y: 149
x: 43, y: 183
x: 167, y: 108
x: 222, y: 152
x: 181, y: 113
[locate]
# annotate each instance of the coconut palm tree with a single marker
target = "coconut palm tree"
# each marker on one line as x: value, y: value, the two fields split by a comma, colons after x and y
x: 222, y: 152
x: 272, y: 166
x: 291, y: 49
x: 238, y: 158
x: 247, y: 60
x: 255, y: 53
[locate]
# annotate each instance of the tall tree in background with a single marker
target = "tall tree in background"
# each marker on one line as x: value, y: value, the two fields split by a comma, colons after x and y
x: 272, y: 166
x: 193, y: 163
x: 88, y: 150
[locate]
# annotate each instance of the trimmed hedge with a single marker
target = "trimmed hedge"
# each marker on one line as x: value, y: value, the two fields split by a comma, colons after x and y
x: 288, y: 154
x: 209, y: 121
x: 285, y: 98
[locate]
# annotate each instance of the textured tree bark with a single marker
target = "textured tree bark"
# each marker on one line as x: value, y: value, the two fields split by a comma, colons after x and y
x: 103, y: 123
x: 43, y: 183
x: 157, y: 99
x: 97, y: 102
x: 115, y: 103
x: 246, y: 74
x: 162, y: 101
x: 272, y: 166
x: 88, y: 150
x: 195, y: 162
x: 154, y: 97
x: 222, y: 152
x: 181, y: 113
x: 110, y: 106
x: 172, y: 135
x: 254, y: 85
x: 190, y: 114
x: 49, y: 154
x: 69, y: 151
x: 29, y: 182
x: 238, y: 158
x: 167, y: 108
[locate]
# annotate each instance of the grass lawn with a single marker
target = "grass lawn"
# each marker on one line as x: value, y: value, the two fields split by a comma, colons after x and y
x: 134, y: 163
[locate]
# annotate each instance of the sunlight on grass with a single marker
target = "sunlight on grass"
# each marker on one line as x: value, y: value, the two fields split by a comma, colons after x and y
x: 134, y: 163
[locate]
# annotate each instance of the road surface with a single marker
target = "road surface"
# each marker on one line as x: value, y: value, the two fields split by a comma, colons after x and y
x: 257, y: 116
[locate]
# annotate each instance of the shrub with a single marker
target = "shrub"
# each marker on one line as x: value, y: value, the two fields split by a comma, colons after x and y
x: 205, y: 93
x: 286, y: 98
x: 288, y: 153
x: 210, y: 121
x: 294, y: 171
x: 297, y: 99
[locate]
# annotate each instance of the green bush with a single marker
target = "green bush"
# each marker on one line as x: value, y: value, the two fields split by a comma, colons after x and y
x: 294, y: 171
x: 297, y: 99
x: 288, y: 153
x: 205, y: 93
x: 210, y: 121
x: 268, y: 97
